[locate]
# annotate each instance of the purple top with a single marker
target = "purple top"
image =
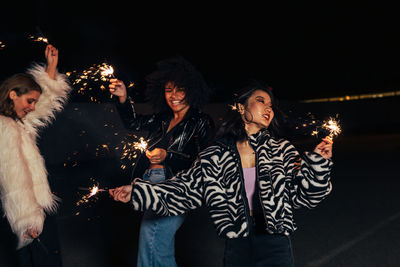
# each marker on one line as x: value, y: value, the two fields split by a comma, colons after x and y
x: 250, y: 184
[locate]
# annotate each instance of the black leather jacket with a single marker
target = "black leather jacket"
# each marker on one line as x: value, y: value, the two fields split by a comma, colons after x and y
x: 192, y: 134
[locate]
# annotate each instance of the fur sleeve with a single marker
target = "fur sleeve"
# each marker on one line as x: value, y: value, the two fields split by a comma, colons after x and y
x: 17, y: 196
x: 55, y: 94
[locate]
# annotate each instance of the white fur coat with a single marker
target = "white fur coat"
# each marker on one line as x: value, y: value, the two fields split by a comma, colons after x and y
x: 24, y: 189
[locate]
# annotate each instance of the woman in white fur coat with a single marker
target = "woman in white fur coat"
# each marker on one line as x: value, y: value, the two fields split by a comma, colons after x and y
x: 29, y: 102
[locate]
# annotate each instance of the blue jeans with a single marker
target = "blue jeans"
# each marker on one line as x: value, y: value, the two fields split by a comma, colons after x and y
x: 157, y: 233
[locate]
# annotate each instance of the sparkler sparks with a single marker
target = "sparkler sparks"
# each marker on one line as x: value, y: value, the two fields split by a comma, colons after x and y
x: 94, y: 77
x: 310, y: 124
x: 129, y: 147
x: 107, y: 70
x: 333, y: 127
x: 330, y: 126
x: 38, y: 39
x: 93, y: 191
x: 141, y: 145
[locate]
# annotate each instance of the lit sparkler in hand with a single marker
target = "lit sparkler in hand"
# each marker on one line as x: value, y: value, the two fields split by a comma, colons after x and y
x: 106, y: 72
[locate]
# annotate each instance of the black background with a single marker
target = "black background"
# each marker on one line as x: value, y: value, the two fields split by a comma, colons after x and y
x: 303, y: 50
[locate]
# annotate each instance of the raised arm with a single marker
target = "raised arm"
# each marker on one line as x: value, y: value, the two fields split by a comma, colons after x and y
x: 55, y: 89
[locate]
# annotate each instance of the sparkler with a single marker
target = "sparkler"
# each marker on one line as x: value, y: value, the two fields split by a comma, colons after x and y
x: 130, y: 148
x: 310, y: 124
x: 141, y: 145
x: 107, y: 70
x: 93, y: 192
x: 333, y: 127
x: 42, y: 245
x: 38, y: 39
x: 88, y: 79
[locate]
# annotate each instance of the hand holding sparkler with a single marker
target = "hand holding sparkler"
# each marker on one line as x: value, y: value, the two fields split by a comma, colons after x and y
x: 118, y: 88
x: 325, y: 147
x: 157, y: 155
x: 122, y: 193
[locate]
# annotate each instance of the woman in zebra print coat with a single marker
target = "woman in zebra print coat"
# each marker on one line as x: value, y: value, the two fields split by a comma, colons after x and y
x: 249, y: 179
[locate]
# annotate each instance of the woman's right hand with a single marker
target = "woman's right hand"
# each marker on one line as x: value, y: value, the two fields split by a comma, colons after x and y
x: 325, y: 148
x: 157, y: 155
x: 51, y: 54
x: 118, y: 88
x: 122, y: 193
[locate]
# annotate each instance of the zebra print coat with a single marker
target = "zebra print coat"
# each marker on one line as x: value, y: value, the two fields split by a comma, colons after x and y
x: 216, y: 180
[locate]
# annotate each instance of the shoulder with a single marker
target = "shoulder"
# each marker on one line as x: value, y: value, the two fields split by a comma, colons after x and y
x: 198, y: 114
x: 8, y: 126
x: 6, y: 122
x: 282, y: 145
x: 201, y: 119
x: 221, y: 144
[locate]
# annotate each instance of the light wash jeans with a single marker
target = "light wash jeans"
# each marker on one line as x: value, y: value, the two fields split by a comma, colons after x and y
x: 157, y: 233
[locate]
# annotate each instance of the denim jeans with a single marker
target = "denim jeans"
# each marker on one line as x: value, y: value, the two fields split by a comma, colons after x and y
x: 259, y: 249
x: 157, y: 233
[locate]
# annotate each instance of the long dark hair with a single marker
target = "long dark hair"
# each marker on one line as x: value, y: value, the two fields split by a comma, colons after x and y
x: 184, y: 75
x: 233, y: 124
x: 20, y: 83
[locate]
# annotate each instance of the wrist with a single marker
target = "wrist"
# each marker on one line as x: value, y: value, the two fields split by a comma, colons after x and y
x: 122, y: 99
x: 51, y: 72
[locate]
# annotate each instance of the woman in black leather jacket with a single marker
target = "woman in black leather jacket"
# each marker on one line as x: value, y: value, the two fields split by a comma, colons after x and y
x: 176, y: 133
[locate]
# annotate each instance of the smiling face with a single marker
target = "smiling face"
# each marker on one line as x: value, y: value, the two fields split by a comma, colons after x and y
x: 175, y: 98
x: 24, y: 103
x: 258, y: 112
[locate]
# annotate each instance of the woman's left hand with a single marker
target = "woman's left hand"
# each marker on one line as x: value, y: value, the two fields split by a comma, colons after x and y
x: 325, y: 148
x: 31, y: 234
x: 157, y: 155
x: 51, y: 54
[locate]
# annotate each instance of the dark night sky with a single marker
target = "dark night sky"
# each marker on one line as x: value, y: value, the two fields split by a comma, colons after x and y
x: 302, y: 50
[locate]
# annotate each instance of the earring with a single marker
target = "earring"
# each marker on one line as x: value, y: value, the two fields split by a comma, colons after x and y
x: 12, y: 95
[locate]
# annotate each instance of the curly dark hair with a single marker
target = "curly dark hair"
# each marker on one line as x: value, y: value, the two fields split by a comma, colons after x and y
x: 184, y: 75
